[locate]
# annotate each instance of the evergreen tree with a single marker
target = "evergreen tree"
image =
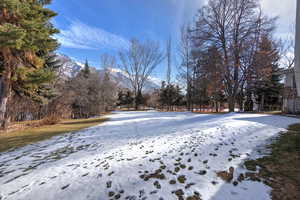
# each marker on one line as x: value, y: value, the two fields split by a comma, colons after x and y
x: 51, y: 62
x: 86, y: 70
x: 267, y: 84
x: 125, y: 99
x: 121, y: 98
x: 139, y: 100
x: 47, y: 91
x: 129, y: 99
x: 170, y: 95
x: 25, y: 39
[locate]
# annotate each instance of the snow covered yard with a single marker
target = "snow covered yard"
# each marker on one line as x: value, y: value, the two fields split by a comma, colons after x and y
x: 143, y: 155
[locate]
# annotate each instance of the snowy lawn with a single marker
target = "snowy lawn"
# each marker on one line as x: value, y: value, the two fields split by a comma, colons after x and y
x: 144, y: 155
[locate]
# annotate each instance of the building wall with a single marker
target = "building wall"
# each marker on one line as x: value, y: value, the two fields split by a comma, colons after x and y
x: 291, y: 105
x: 291, y: 101
x: 289, y: 79
x: 297, y: 48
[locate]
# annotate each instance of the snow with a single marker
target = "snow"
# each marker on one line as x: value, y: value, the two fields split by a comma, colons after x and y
x: 117, y: 70
x: 111, y: 161
x: 123, y: 78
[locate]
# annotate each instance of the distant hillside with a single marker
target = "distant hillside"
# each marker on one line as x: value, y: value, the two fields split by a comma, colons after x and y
x: 120, y: 77
x: 70, y: 68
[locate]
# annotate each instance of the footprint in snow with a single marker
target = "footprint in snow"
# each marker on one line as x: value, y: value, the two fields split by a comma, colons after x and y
x: 64, y: 187
x: 85, y: 174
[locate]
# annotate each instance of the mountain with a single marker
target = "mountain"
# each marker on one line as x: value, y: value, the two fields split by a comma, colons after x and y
x: 121, y: 78
x: 70, y: 68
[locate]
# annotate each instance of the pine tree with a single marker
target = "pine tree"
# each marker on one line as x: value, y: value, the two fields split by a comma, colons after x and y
x: 139, y: 100
x: 25, y: 39
x: 121, y: 98
x: 51, y: 62
x: 267, y: 85
x: 125, y: 99
x: 47, y: 91
x: 170, y: 95
x: 86, y: 71
x: 129, y: 99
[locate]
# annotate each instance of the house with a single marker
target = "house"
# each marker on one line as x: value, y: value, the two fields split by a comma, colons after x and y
x: 291, y: 101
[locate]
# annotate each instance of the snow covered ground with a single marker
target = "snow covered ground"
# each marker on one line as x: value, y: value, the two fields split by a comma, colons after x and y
x: 143, y: 155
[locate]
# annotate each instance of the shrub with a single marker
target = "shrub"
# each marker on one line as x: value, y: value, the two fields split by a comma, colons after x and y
x: 50, y: 120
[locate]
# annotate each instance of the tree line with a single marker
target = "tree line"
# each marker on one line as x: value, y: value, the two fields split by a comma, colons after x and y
x: 32, y: 85
x: 228, y: 56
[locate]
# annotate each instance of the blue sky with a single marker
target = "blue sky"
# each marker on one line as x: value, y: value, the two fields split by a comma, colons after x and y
x: 92, y: 27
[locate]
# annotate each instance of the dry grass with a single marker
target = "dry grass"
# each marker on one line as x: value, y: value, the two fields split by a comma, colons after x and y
x: 281, y: 169
x: 266, y: 112
x: 31, y: 135
x: 215, y: 113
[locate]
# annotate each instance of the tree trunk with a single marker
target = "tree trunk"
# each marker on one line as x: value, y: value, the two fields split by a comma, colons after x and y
x: 136, y: 103
x: 262, y: 103
x: 231, y: 104
x: 188, y: 102
x: 217, y: 106
x: 5, y: 91
x: 241, y: 105
x: 5, y: 86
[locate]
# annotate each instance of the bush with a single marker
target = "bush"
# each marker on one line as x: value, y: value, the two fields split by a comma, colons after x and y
x: 50, y: 120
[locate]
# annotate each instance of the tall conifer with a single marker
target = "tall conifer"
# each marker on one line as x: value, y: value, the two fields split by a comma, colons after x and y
x: 25, y: 40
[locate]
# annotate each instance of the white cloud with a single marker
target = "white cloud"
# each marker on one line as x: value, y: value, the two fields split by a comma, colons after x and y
x: 284, y: 9
x: 81, y: 36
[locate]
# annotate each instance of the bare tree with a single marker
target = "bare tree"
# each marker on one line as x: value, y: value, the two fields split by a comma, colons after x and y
x: 108, y: 92
x: 185, y: 72
x: 232, y: 25
x: 138, y: 62
x: 287, y: 49
x: 108, y: 61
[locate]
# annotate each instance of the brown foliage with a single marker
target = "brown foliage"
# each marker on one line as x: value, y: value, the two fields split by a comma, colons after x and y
x: 50, y: 120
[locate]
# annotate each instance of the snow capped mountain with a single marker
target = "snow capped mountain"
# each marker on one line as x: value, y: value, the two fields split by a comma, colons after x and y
x: 70, y: 68
x: 122, y: 79
x: 80, y: 64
